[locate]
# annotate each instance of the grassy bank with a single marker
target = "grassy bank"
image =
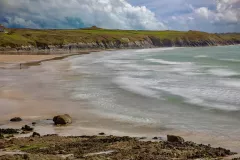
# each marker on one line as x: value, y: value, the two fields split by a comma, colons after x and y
x: 26, y: 37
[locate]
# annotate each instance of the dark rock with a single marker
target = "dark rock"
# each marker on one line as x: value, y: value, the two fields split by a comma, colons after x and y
x: 62, y: 119
x: 9, y: 131
x: 25, y: 156
x: 176, y: 139
x: 1, y: 145
x: 34, y: 123
x: 101, y: 134
x: 16, y: 119
x: 1, y: 136
x: 62, y: 152
x: 155, y: 138
x: 9, y: 136
x: 27, y: 128
x: 35, y: 134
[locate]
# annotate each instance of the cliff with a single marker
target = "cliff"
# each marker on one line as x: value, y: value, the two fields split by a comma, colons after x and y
x: 32, y: 39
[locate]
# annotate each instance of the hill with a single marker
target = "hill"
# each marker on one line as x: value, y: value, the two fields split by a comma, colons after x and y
x: 28, y: 39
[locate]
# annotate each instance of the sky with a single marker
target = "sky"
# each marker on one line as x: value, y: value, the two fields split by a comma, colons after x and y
x: 203, y: 15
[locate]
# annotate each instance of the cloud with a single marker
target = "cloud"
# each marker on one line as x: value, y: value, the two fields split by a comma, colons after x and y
x: 227, y: 11
x: 203, y: 15
x: 203, y: 11
x: 215, y: 16
x: 118, y: 14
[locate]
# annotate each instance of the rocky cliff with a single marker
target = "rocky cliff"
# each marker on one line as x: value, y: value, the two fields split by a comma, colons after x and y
x: 50, y: 40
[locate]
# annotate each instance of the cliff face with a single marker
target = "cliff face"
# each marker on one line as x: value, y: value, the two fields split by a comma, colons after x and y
x: 31, y: 40
x: 148, y: 42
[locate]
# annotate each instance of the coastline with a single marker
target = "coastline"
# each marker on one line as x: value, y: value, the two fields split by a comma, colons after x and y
x: 25, y: 59
x: 36, y: 107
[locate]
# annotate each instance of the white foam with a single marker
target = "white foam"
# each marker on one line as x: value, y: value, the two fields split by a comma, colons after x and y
x: 222, y: 72
x: 231, y: 60
x: 231, y: 83
x: 201, y: 97
x: 154, y: 50
x: 201, y: 56
x: 211, y: 105
x: 136, y: 85
x: 161, y: 61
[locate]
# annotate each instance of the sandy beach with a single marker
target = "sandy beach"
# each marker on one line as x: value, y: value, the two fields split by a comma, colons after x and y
x: 37, y: 94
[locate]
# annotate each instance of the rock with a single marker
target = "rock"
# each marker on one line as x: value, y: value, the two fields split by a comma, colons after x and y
x: 62, y: 119
x: 176, y: 139
x: 155, y: 138
x: 16, y: 119
x: 27, y: 128
x: 35, y: 134
x: 101, y: 134
x: 9, y: 131
x: 1, y: 136
x: 1, y: 145
x: 34, y: 123
x: 9, y: 136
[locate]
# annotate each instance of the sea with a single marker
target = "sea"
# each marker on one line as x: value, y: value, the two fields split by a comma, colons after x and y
x: 190, y: 89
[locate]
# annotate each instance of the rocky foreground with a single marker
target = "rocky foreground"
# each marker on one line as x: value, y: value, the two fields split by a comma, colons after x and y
x: 54, y: 147
x: 101, y: 147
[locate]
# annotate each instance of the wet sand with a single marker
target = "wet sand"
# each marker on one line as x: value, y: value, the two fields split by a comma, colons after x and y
x: 25, y: 58
x: 37, y: 94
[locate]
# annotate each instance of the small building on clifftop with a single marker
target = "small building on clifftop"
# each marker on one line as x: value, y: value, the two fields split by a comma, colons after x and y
x: 2, y: 28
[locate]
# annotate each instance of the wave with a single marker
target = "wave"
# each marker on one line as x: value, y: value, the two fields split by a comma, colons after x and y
x: 161, y: 61
x: 222, y: 72
x: 204, y: 98
x: 201, y: 56
x: 136, y: 85
x: 230, y: 60
x: 231, y: 83
x: 211, y: 105
x: 154, y: 50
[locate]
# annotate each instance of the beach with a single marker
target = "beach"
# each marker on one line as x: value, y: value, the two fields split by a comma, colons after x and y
x: 40, y: 92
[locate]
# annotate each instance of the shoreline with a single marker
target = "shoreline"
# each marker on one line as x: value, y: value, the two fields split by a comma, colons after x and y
x: 53, y: 111
x: 59, y: 51
x: 26, y: 59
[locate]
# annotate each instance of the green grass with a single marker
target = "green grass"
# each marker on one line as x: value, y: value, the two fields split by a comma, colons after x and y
x: 24, y: 37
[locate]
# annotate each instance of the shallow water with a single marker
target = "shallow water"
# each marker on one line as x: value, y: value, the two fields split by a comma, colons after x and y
x: 190, y: 89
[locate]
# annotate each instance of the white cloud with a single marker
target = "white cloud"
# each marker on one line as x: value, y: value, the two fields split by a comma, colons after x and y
x: 203, y: 11
x: 117, y: 14
x: 227, y: 11
x: 220, y: 16
x: 204, y: 15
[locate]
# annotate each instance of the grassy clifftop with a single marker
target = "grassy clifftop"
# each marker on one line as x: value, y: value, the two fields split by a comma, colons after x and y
x: 36, y: 38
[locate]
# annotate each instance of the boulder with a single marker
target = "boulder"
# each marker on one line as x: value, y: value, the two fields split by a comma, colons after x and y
x: 16, y: 119
x: 35, y: 134
x: 27, y: 128
x: 175, y: 139
x: 62, y: 119
x: 101, y: 134
x: 9, y: 131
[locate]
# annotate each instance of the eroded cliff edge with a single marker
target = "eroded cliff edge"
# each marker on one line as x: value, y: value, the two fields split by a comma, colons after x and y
x: 50, y: 40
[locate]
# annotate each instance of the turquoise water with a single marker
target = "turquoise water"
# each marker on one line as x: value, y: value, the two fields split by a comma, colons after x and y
x: 193, y: 89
